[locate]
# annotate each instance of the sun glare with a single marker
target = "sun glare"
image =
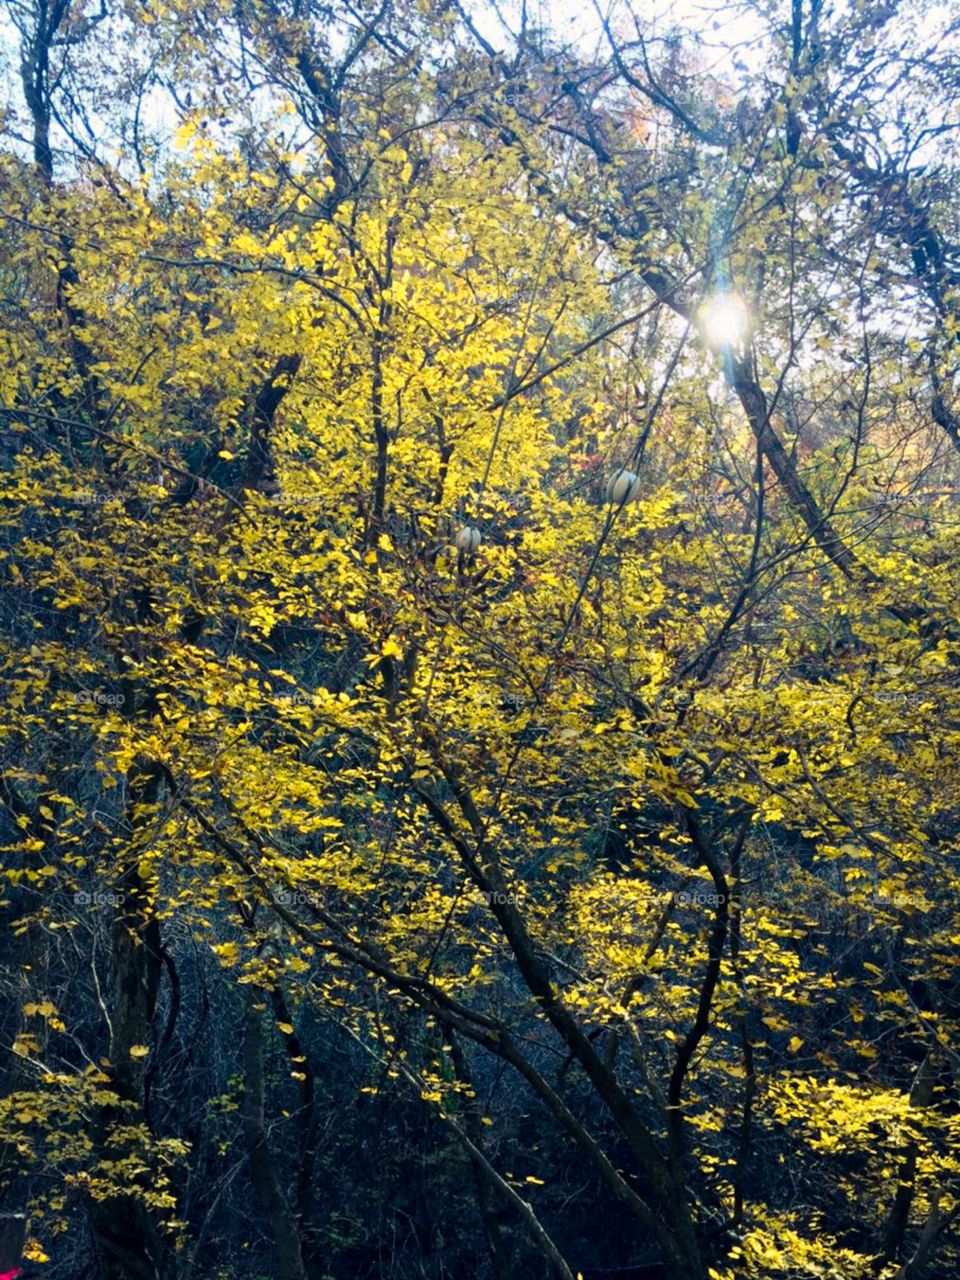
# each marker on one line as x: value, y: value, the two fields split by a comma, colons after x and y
x: 724, y: 320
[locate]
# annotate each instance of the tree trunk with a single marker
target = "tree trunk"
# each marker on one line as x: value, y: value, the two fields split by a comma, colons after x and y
x: 281, y: 1221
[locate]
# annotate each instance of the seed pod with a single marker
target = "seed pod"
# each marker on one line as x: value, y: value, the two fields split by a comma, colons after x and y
x: 623, y: 486
x: 468, y: 539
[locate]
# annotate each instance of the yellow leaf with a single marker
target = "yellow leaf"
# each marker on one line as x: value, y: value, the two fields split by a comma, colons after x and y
x: 186, y: 131
x: 34, y: 1252
x: 227, y: 952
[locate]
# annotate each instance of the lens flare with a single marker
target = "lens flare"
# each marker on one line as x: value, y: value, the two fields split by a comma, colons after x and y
x: 725, y: 320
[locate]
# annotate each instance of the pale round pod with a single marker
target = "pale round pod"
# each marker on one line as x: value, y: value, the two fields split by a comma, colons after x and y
x: 623, y: 486
x: 467, y: 539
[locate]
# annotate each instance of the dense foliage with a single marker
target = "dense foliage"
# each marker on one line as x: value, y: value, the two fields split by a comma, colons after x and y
x: 478, y: 525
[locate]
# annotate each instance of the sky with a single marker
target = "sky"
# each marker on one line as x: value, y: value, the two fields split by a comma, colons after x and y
x: 722, y: 25
x: 729, y: 33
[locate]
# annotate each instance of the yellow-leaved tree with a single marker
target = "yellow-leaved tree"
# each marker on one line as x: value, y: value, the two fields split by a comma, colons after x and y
x: 478, y: 524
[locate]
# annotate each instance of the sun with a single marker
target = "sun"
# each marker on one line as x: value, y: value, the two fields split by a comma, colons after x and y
x: 724, y: 320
